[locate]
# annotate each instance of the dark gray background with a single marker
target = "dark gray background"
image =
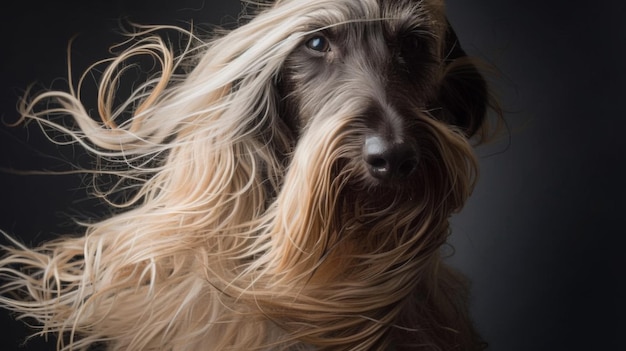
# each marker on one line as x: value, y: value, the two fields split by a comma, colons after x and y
x: 542, y: 237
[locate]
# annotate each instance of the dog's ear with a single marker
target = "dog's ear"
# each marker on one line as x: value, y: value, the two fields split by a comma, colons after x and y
x: 463, y: 96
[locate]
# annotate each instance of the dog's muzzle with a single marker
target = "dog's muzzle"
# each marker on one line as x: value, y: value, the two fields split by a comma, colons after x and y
x: 388, y: 160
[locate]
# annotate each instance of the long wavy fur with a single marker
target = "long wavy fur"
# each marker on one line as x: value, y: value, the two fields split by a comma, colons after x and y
x: 236, y: 232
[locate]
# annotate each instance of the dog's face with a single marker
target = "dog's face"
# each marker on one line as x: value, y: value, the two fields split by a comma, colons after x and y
x: 387, y: 84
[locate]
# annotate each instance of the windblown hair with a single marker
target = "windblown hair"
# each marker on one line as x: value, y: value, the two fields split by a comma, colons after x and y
x: 249, y: 222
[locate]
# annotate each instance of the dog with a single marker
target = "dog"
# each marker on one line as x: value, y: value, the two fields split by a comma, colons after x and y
x: 286, y: 185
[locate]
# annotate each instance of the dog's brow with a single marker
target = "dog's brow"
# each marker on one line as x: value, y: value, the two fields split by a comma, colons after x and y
x: 407, y: 12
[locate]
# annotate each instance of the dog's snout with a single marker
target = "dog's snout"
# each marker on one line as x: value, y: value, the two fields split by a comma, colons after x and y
x: 390, y: 160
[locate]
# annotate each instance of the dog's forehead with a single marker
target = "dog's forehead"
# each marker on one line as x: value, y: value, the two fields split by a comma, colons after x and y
x: 400, y: 14
x: 406, y: 8
x: 395, y: 15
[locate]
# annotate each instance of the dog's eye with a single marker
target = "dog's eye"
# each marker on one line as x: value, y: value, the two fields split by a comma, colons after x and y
x: 318, y: 43
x: 411, y: 44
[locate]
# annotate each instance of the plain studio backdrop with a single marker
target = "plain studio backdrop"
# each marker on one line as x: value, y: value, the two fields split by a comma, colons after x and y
x: 542, y: 238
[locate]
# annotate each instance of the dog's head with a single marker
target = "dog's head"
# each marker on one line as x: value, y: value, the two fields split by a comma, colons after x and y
x: 379, y: 104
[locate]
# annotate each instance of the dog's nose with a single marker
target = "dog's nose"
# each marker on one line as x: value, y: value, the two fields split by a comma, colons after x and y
x: 387, y: 160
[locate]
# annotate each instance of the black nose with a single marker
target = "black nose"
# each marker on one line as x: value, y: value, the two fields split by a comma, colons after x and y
x: 388, y: 160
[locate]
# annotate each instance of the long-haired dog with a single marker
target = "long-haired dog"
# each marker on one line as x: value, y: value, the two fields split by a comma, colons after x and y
x: 290, y: 191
